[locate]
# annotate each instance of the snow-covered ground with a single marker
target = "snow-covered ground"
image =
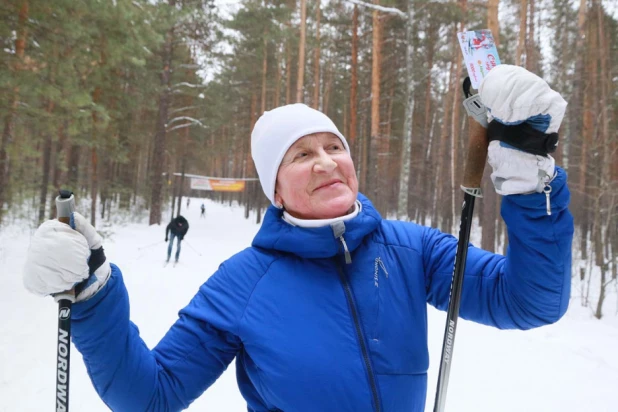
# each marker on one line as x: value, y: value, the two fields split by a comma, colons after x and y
x: 571, y: 366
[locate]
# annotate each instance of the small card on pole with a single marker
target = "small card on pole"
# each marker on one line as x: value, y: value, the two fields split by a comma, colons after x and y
x: 480, y: 54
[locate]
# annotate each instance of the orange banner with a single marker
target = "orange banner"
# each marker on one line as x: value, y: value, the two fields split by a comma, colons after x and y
x: 227, y: 185
x: 218, y: 185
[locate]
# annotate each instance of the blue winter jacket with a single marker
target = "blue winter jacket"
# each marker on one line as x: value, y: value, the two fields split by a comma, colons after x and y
x: 312, y: 333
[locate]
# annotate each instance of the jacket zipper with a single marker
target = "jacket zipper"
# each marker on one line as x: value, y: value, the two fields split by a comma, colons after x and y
x: 338, y: 230
x: 359, y: 336
x: 547, y: 190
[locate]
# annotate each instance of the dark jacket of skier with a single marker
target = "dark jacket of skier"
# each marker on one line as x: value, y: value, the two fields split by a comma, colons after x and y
x: 312, y: 333
x: 178, y: 226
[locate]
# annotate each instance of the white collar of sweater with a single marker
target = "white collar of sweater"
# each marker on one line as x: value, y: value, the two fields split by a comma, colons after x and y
x: 322, y: 222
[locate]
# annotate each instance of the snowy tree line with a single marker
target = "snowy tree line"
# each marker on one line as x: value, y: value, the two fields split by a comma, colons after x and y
x: 109, y: 98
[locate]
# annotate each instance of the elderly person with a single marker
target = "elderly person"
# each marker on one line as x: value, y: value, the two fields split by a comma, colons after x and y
x: 327, y: 310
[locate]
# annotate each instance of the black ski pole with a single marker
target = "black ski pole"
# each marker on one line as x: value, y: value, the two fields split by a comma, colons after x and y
x: 65, y: 205
x: 473, y: 173
x: 193, y: 248
x: 149, y: 246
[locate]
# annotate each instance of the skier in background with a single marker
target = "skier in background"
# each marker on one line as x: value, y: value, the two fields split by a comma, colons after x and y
x: 203, y: 211
x: 178, y: 228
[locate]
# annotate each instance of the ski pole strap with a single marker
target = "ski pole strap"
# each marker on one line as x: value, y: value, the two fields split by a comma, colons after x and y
x: 523, y: 137
x: 476, y: 109
x: 97, y: 258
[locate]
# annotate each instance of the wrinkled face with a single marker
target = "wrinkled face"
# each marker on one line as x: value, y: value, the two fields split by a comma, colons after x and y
x: 316, y: 178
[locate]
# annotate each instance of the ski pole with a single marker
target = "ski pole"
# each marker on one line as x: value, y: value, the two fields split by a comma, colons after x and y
x: 65, y: 205
x: 193, y: 248
x: 473, y: 173
x: 149, y: 246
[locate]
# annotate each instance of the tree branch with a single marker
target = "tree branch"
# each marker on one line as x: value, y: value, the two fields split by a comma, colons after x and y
x: 391, y: 10
x: 182, y: 126
x: 189, y: 119
x: 193, y: 86
x: 183, y: 108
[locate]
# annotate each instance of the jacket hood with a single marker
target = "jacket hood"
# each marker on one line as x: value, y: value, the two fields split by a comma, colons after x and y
x: 277, y: 234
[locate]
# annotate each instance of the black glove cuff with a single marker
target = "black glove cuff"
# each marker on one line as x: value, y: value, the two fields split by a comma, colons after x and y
x: 523, y: 137
x: 97, y: 258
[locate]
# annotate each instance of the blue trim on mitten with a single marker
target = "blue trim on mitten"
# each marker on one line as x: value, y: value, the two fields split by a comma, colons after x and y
x: 539, y: 122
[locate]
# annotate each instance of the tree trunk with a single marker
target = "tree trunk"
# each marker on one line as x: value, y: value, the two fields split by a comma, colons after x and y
x: 599, y: 259
x: 455, y: 131
x: 420, y: 147
x: 249, y: 171
x: 48, y: 142
x: 181, y: 185
x: 47, y: 147
x: 604, y: 207
x: 375, y: 144
x: 521, y: 43
x: 277, y: 97
x: 439, y: 186
x: 345, y: 127
x: 56, y: 168
x: 103, y: 184
x: 577, y: 101
x: 492, y: 20
x: 431, y: 47
x: 531, y: 47
x: 316, y: 60
x: 301, y: 52
x: 264, y: 72
x: 288, y: 72
x: 126, y: 170
x: 328, y: 83
x: 158, y: 158
x: 425, y: 201
x: 354, y: 84
x: 7, y: 132
x: 406, y: 141
x: 94, y: 181
x: 587, y: 144
x: 73, y: 167
x: 488, y: 219
x: 94, y: 177
x: 563, y: 47
x: 363, y: 153
x: 489, y: 213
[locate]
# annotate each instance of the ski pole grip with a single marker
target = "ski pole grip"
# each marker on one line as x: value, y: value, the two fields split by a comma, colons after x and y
x: 475, y: 159
x: 65, y: 205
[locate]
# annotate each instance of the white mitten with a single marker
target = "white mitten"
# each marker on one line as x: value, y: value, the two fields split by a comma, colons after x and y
x: 524, y: 115
x: 63, y: 257
x: 518, y: 172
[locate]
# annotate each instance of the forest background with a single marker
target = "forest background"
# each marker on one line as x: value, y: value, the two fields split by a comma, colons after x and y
x: 111, y: 97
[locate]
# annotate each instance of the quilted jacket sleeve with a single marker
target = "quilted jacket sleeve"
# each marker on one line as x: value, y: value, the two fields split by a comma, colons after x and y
x: 128, y: 376
x: 529, y: 287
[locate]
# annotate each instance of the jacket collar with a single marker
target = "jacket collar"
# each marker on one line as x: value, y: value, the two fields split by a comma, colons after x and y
x: 320, y: 242
x: 322, y: 222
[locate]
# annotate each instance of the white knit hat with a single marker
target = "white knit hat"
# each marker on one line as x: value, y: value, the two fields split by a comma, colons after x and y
x: 276, y: 130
